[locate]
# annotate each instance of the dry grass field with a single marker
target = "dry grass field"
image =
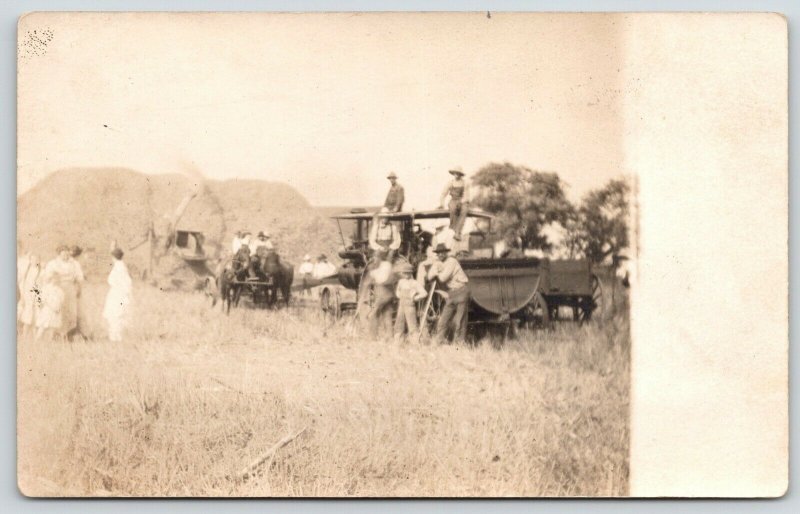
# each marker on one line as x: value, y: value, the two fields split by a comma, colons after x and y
x: 192, y: 398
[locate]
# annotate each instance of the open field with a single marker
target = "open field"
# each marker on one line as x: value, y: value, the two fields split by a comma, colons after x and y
x: 192, y: 398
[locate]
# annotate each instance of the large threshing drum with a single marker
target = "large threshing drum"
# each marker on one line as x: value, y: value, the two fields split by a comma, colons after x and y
x: 507, y: 290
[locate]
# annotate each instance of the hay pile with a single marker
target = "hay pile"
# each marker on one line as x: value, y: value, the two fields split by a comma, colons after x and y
x: 90, y: 207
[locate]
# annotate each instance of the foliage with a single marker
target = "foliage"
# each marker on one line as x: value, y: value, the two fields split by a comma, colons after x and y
x: 523, y: 201
x: 599, y: 229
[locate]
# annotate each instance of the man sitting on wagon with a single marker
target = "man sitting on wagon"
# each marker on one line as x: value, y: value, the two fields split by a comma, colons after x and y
x: 242, y: 261
x: 262, y: 244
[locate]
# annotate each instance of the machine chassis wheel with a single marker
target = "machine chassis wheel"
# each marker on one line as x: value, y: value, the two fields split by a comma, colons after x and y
x: 537, y: 313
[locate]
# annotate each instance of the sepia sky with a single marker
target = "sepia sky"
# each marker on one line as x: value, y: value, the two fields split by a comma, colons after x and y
x: 327, y: 103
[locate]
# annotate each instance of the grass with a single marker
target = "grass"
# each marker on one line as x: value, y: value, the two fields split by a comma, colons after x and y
x: 192, y: 397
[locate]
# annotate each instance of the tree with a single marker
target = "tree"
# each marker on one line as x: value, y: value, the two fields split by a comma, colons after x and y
x: 523, y: 201
x: 602, y: 226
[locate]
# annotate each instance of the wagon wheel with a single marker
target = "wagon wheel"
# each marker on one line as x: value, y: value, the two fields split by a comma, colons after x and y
x: 331, y: 303
x: 537, y: 313
x: 595, y: 304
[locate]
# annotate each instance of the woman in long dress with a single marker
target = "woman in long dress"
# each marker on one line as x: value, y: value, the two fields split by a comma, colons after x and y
x: 48, y: 307
x: 62, y: 272
x: 29, y: 293
x: 117, y: 308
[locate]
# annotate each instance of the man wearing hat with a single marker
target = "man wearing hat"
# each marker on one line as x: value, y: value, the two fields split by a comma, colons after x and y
x: 262, y: 242
x: 396, y: 196
x: 384, y: 237
x: 451, y: 277
x: 443, y: 234
x: 323, y: 268
x: 458, y: 190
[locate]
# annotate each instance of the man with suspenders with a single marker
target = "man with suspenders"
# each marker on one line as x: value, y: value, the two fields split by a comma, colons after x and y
x: 458, y: 190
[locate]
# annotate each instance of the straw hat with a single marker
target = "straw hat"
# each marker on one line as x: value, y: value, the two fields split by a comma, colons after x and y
x: 457, y: 170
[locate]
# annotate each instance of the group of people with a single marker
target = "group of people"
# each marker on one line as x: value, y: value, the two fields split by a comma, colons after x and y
x: 439, y: 268
x: 457, y: 189
x: 49, y: 296
x: 249, y: 253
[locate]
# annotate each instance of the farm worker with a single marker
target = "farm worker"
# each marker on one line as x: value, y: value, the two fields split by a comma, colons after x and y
x: 62, y: 272
x: 408, y: 292
x: 305, y: 271
x: 237, y: 242
x: 384, y: 235
x: 443, y: 235
x: 323, y: 268
x: 26, y: 308
x: 458, y: 190
x: 48, y: 306
x: 118, y: 300
x: 383, y: 294
x: 245, y: 239
x: 262, y: 241
x: 447, y: 271
x: 396, y: 195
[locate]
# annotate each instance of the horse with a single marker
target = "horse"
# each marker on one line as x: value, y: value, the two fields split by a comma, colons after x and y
x: 282, y: 277
x: 228, y: 289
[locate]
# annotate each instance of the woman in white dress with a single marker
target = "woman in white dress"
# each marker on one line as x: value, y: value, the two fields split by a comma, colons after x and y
x: 49, y: 305
x: 29, y: 293
x: 117, y: 310
x: 62, y: 272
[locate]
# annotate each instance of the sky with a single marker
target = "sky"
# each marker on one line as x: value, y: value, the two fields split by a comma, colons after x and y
x: 329, y: 103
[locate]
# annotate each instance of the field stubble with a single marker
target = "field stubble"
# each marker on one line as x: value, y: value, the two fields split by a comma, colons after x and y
x: 192, y: 398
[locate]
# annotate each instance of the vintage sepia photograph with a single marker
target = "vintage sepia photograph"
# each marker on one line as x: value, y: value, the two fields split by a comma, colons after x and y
x: 324, y: 255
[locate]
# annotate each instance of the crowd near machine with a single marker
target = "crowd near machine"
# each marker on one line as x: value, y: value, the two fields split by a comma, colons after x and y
x: 513, y: 292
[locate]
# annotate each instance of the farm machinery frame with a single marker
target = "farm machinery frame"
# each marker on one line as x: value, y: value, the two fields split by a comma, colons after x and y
x: 517, y: 292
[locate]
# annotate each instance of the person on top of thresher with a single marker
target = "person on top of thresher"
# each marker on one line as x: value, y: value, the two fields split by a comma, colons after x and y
x: 396, y: 195
x: 451, y: 277
x: 458, y: 190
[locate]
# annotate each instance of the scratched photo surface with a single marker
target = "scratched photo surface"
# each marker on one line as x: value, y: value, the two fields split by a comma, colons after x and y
x: 363, y: 255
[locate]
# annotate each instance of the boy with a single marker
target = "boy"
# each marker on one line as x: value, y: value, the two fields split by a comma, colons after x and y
x: 408, y: 292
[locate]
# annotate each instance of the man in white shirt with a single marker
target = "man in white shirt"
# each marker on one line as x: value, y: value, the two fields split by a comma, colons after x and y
x: 237, y: 241
x: 262, y: 241
x: 306, y: 271
x: 384, y: 237
x: 323, y: 268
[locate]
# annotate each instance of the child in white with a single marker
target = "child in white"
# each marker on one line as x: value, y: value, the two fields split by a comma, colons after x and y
x: 408, y: 292
x: 118, y: 301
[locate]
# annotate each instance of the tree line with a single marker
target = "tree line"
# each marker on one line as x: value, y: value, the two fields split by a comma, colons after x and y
x: 525, y: 202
